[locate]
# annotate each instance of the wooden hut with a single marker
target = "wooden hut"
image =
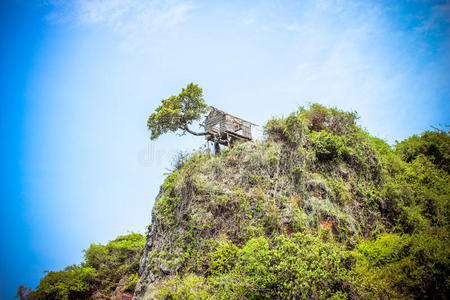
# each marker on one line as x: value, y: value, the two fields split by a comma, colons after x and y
x: 226, y: 129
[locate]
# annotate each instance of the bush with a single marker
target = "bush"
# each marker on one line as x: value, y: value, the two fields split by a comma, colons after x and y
x: 115, y: 260
x: 189, y: 287
x: 301, y: 266
x: 332, y: 120
x: 71, y: 283
x: 315, y: 118
x: 328, y: 146
x: 404, y: 265
x: 223, y: 259
x: 133, y: 280
x: 101, y: 271
x: 432, y: 144
x: 386, y: 248
x: 297, y: 267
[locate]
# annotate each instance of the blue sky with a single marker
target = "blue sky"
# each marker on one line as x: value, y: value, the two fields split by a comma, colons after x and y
x: 79, y: 79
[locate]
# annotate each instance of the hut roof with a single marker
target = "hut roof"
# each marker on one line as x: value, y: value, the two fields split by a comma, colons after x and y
x: 221, y: 111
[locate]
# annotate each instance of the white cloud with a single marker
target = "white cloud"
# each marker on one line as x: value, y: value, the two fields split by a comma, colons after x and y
x: 438, y: 15
x: 135, y: 17
x: 352, y: 54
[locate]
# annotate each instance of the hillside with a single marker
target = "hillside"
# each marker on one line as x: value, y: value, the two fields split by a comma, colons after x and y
x: 318, y: 210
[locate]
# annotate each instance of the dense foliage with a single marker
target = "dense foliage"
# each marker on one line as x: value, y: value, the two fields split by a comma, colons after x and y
x: 435, y: 145
x: 319, y: 210
x: 178, y: 112
x: 103, y: 267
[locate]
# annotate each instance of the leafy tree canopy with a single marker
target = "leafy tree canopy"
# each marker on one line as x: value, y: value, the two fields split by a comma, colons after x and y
x: 71, y: 283
x: 432, y: 144
x: 101, y: 271
x: 178, y: 112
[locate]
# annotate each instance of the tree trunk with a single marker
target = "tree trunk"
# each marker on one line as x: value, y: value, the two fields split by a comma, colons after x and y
x: 216, y: 147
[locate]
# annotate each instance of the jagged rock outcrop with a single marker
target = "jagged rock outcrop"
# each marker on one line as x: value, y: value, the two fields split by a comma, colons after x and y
x: 147, y: 276
x: 120, y: 293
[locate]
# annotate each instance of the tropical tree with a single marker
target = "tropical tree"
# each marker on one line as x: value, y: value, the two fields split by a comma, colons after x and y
x: 177, y: 113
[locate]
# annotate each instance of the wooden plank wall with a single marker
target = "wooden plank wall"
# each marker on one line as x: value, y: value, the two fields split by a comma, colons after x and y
x: 227, y: 123
x: 214, y: 118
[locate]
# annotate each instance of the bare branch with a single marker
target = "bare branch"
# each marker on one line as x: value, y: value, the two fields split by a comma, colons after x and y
x: 185, y: 128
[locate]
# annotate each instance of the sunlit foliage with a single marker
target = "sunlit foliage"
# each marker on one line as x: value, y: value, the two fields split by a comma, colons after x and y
x: 178, y: 112
x: 103, y: 267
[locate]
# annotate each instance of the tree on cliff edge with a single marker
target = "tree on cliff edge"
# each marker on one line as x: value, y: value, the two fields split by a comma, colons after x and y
x: 179, y: 112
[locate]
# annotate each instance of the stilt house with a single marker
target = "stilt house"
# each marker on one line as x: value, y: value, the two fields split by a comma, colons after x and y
x: 226, y: 129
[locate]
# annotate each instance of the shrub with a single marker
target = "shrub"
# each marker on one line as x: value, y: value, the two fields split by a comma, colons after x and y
x: 133, y: 280
x: 189, y: 287
x: 433, y: 144
x: 300, y: 266
x: 101, y: 271
x: 223, y: 259
x: 386, y: 248
x: 332, y: 120
x: 115, y: 260
x: 314, y: 118
x: 328, y: 146
x: 404, y: 265
x: 71, y: 283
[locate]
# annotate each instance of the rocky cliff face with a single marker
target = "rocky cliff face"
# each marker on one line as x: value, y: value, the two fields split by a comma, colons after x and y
x: 149, y: 276
x: 319, y: 190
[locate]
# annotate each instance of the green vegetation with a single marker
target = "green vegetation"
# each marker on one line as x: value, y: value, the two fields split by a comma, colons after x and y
x: 115, y: 260
x: 319, y: 210
x: 178, y: 112
x: 103, y: 267
x: 72, y: 282
x: 435, y: 145
x: 402, y: 265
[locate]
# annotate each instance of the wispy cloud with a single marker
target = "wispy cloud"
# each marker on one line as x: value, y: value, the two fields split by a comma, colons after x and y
x: 355, y: 54
x: 134, y: 19
x: 439, y: 15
